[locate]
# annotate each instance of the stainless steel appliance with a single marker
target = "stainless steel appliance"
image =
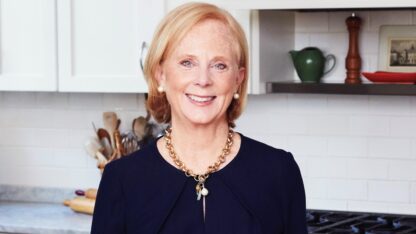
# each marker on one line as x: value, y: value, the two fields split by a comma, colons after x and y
x: 336, y: 222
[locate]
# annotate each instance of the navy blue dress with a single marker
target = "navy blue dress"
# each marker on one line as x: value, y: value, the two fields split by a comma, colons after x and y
x: 259, y: 191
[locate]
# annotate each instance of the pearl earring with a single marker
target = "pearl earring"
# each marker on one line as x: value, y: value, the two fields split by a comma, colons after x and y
x: 236, y: 96
x: 160, y: 89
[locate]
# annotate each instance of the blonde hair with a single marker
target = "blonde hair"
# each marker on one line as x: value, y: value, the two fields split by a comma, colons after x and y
x: 169, y: 33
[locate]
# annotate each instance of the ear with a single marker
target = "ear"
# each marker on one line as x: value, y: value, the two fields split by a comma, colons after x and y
x: 160, y: 76
x: 241, y: 75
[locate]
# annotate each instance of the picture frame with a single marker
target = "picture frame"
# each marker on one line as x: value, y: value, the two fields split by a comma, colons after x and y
x: 397, y: 48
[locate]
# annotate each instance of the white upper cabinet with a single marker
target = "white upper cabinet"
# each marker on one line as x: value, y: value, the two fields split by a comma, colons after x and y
x: 302, y: 4
x: 100, y: 43
x: 28, y: 45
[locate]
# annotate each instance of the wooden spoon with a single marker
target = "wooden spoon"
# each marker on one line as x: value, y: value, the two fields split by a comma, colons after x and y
x: 110, y: 124
x: 105, y: 141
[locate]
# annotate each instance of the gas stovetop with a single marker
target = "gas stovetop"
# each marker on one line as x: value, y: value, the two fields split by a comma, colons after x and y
x: 336, y: 222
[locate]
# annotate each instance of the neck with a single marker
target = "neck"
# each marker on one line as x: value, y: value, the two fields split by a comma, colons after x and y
x: 199, y: 146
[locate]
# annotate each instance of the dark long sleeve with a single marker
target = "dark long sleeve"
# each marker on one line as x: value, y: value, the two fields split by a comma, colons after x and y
x: 109, y: 206
x: 259, y: 191
x: 296, y: 207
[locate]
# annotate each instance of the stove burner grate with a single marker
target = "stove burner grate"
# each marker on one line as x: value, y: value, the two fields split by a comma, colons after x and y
x: 337, y: 222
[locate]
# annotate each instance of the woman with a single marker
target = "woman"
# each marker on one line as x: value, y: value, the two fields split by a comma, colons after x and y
x: 201, y: 177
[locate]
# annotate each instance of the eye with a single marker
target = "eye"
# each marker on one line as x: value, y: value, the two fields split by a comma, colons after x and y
x: 186, y: 63
x: 220, y: 66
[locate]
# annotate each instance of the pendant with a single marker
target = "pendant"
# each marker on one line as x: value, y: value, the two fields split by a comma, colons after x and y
x: 201, y: 191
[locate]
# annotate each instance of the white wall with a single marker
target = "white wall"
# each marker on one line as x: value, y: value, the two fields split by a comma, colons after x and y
x: 355, y: 152
x: 42, y: 135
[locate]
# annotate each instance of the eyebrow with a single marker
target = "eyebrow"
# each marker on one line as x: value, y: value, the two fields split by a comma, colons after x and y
x: 219, y: 57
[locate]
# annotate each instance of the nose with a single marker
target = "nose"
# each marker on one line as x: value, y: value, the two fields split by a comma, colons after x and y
x: 204, y: 78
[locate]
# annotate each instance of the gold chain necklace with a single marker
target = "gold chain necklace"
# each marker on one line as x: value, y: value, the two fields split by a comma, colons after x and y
x: 199, y: 178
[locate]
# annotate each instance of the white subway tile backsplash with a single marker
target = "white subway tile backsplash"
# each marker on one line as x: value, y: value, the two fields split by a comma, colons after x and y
x: 118, y: 102
x: 276, y: 141
x: 302, y: 40
x: 25, y: 156
x: 330, y: 43
x: 403, y: 126
x: 265, y: 104
x: 362, y: 168
x: 308, y: 145
x: 307, y: 103
x: 390, y: 105
x: 34, y: 137
x: 303, y: 164
x: 413, y: 193
x: 261, y: 122
x: 79, y: 119
x: 326, y: 204
x: 414, y: 17
x: 19, y: 99
x: 52, y: 100
x: 83, y: 178
x: 413, y: 105
x: 77, y: 138
x: 348, y: 146
x: 378, y: 18
x: 327, y: 124
x: 70, y: 158
x: 316, y: 188
x: 347, y: 104
x: 86, y: 101
x: 347, y: 189
x: 368, y: 43
x: 337, y: 74
x: 10, y: 118
x: 382, y: 207
x: 337, y: 21
x: 413, y: 148
x: 389, y: 191
x: 325, y: 167
x: 402, y: 170
x: 383, y: 147
x: 369, y: 64
x: 369, y: 125
x: 290, y: 124
x: 311, y: 22
x: 402, y: 209
x: 275, y: 124
x: 365, y: 206
x: 34, y: 176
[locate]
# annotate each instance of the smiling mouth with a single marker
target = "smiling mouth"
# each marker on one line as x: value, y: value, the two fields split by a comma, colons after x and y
x: 200, y: 99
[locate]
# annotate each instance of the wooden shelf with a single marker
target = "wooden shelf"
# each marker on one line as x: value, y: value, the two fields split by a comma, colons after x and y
x: 340, y: 88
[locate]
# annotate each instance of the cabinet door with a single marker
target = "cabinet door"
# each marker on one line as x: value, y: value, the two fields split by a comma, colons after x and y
x: 28, y: 45
x: 100, y: 42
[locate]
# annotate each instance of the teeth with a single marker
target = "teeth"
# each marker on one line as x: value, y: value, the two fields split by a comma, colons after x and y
x: 200, y: 99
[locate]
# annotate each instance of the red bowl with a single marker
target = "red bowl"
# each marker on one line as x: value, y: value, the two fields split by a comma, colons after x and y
x: 391, y: 77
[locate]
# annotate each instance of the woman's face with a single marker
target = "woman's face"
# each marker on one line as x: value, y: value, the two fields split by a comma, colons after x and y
x: 201, y: 74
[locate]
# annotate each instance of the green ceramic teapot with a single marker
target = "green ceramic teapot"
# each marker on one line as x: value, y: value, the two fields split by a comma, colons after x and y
x: 310, y: 63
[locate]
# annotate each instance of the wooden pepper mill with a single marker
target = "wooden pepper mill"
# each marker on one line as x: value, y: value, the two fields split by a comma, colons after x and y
x: 353, y: 60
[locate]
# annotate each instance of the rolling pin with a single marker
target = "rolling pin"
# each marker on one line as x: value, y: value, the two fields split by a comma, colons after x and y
x: 91, y: 193
x: 81, y: 204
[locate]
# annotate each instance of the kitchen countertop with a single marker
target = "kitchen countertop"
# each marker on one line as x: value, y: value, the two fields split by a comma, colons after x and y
x: 45, y: 218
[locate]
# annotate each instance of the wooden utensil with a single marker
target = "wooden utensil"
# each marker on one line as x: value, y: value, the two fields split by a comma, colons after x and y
x: 91, y: 193
x: 139, y: 127
x: 110, y: 124
x: 105, y: 141
x: 81, y: 204
x: 93, y: 149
